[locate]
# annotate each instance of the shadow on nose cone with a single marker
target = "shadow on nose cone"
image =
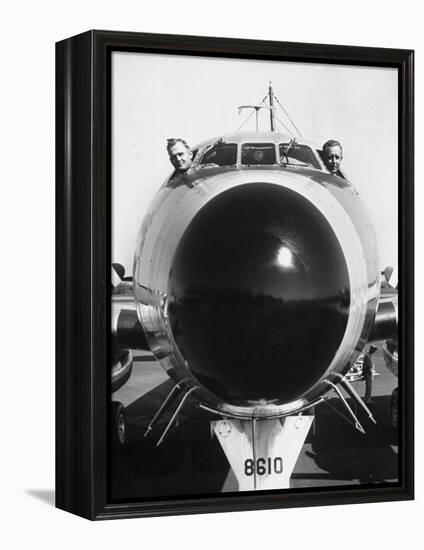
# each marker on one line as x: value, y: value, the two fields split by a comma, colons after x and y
x: 259, y: 295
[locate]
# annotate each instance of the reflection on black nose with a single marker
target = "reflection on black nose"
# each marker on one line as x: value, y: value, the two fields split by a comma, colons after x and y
x: 258, y: 295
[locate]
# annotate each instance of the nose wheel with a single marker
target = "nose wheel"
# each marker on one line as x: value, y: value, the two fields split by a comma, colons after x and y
x: 118, y: 424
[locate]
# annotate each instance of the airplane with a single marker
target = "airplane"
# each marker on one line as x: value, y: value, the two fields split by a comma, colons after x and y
x: 390, y: 354
x: 122, y: 357
x: 391, y: 345
x: 256, y: 286
x: 388, y: 296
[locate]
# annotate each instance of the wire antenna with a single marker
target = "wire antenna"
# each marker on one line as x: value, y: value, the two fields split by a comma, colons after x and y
x: 272, y: 116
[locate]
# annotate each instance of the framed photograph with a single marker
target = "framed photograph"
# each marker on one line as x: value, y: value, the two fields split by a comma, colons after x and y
x: 234, y: 274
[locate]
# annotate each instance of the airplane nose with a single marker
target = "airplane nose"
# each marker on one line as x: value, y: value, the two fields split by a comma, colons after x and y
x: 259, y: 295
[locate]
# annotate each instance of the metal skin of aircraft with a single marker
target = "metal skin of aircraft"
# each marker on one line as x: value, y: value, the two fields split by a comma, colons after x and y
x: 256, y: 286
x: 391, y: 351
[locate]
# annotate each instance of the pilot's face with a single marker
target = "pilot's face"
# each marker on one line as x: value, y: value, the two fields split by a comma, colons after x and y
x: 332, y: 158
x: 180, y: 157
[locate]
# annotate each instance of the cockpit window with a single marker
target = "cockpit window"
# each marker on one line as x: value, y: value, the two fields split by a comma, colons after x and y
x: 221, y: 154
x: 300, y: 155
x: 258, y: 153
x: 194, y: 153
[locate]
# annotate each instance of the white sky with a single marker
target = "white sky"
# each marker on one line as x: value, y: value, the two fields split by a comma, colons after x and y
x: 155, y: 97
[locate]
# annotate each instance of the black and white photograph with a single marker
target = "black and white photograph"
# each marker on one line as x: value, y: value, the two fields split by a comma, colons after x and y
x: 210, y: 234
x: 254, y: 251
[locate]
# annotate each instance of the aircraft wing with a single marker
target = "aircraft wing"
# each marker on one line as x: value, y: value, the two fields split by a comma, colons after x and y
x: 126, y: 330
x: 386, y: 319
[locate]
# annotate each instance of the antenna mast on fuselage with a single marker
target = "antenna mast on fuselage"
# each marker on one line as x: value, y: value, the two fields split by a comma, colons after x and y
x: 262, y: 105
x: 272, y: 116
x: 271, y: 105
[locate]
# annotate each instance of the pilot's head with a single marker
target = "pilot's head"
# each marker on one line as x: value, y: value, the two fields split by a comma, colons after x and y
x: 332, y: 155
x: 179, y: 154
x: 258, y: 155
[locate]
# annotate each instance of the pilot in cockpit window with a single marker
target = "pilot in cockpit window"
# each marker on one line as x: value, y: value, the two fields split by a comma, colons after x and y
x: 255, y: 154
x: 332, y: 155
x: 180, y: 156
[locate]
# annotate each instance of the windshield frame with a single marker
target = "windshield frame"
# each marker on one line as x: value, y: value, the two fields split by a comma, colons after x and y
x: 314, y: 162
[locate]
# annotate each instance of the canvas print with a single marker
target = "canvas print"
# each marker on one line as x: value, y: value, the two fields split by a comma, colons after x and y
x: 254, y: 248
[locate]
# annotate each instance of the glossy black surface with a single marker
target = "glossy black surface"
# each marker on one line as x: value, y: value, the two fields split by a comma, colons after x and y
x: 258, y: 295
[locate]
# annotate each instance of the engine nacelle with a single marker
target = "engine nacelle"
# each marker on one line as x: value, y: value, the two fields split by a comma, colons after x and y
x: 257, y: 285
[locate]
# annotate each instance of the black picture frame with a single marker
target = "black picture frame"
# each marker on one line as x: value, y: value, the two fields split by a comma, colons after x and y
x: 83, y: 261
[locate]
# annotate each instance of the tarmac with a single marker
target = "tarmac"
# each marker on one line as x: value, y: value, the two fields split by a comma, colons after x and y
x: 191, y: 462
